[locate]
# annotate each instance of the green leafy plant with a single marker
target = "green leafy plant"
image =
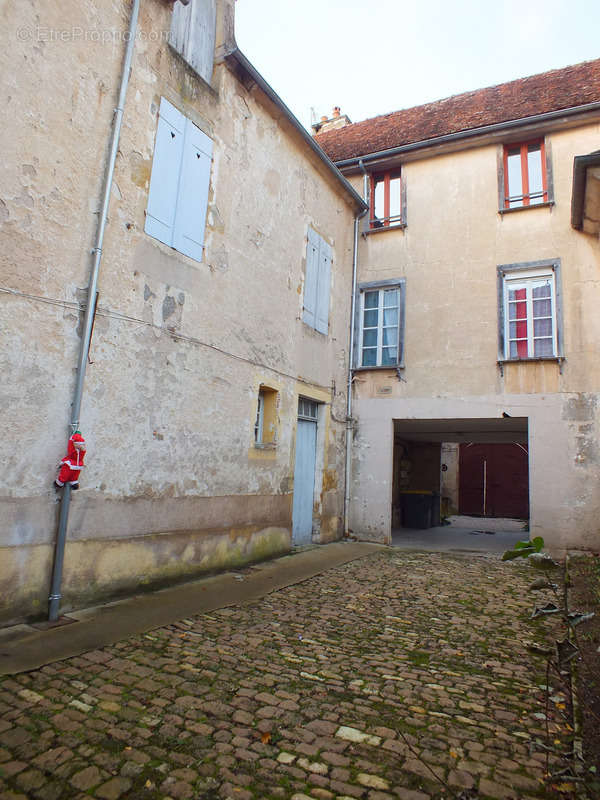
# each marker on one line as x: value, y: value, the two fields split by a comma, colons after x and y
x: 524, y: 549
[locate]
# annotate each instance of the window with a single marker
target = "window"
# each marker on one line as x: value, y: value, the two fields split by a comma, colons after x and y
x: 308, y: 409
x: 381, y: 314
x: 386, y: 200
x: 192, y: 34
x: 529, y: 312
x: 317, y: 283
x: 525, y: 175
x: 260, y: 418
x: 265, y: 426
x: 178, y: 197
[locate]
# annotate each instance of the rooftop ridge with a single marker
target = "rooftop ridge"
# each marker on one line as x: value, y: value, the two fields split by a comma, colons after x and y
x: 555, y: 89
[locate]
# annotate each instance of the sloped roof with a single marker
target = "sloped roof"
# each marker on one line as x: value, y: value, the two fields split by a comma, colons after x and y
x: 549, y: 91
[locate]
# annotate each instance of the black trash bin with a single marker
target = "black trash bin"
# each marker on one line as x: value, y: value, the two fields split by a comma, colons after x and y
x: 436, y: 515
x: 418, y: 509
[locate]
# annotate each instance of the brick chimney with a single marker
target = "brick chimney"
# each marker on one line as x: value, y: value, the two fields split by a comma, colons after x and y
x: 337, y: 120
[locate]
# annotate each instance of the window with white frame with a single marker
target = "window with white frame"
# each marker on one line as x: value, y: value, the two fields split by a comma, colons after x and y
x: 381, y: 315
x: 317, y: 282
x: 529, y: 312
x: 179, y: 183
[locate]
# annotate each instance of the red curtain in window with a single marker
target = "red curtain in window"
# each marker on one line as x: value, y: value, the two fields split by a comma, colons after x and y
x: 521, y: 317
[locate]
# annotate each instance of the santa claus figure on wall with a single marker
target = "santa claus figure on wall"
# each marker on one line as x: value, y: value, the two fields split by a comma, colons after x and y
x: 72, y: 464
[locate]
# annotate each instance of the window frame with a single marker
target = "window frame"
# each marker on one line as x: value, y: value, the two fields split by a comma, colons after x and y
x: 266, y: 424
x: 362, y: 288
x: 504, y: 201
x: 527, y: 273
x: 260, y: 418
x: 308, y: 409
x: 386, y: 222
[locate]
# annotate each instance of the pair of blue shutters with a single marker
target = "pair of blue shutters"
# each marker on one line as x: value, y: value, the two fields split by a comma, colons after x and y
x: 317, y: 283
x: 178, y: 198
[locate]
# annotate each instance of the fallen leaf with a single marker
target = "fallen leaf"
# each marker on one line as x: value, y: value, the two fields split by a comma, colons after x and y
x: 565, y: 651
x: 265, y: 738
x: 542, y: 561
x: 577, y: 617
x: 549, y: 608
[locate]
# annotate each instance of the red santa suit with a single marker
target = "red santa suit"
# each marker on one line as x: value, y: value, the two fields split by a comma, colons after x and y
x: 72, y: 464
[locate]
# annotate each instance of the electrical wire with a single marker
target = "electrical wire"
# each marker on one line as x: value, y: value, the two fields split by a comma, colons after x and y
x: 116, y: 315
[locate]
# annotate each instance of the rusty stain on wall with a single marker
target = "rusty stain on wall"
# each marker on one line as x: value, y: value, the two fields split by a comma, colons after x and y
x: 140, y: 170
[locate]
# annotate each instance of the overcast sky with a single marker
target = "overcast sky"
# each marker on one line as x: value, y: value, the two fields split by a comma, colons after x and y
x: 376, y: 56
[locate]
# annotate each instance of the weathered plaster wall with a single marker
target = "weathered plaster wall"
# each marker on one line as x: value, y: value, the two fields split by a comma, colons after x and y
x: 448, y: 254
x: 173, y: 484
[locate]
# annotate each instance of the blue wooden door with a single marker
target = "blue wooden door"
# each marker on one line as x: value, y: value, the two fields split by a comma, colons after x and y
x: 304, y: 473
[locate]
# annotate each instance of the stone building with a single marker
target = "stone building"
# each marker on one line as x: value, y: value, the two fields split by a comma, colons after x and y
x: 215, y: 403
x: 476, y: 324
x: 215, y: 341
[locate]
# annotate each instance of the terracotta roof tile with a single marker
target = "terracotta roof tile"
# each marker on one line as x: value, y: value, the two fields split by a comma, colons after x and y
x: 549, y: 91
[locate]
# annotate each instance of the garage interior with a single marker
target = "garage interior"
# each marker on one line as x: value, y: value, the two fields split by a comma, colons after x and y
x: 444, y: 467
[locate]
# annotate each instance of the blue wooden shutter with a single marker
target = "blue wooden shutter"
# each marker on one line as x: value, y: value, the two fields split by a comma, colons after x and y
x: 192, y: 200
x: 164, y: 181
x: 311, y: 279
x: 323, y: 288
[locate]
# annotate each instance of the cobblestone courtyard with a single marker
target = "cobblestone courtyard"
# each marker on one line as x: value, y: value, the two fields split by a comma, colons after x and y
x: 366, y: 681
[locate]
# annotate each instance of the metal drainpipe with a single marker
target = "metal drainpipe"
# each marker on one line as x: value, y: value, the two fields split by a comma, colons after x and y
x: 351, y: 356
x: 55, y: 595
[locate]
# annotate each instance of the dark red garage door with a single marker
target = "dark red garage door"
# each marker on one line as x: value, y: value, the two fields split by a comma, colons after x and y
x: 494, y: 480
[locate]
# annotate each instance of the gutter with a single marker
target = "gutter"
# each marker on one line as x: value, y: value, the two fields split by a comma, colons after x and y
x: 580, y: 168
x: 498, y: 127
x: 88, y: 322
x: 237, y: 62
